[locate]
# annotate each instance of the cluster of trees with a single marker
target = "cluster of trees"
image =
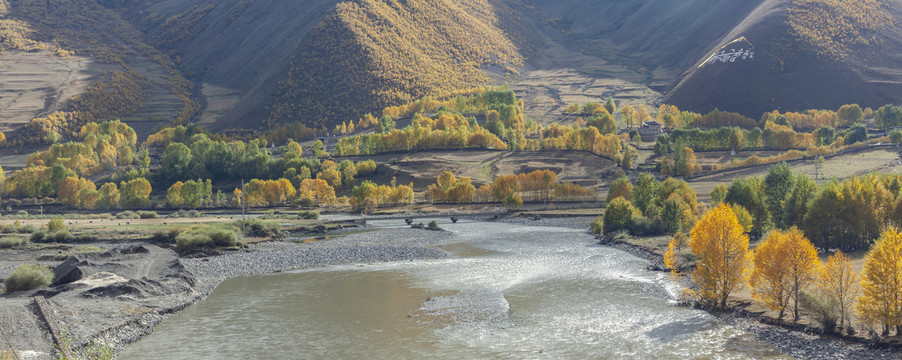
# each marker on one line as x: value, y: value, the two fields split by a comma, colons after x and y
x: 193, y: 194
x: 888, y: 117
x: 443, y: 131
x: 310, y: 192
x: 368, y: 195
x: 102, y: 146
x: 784, y: 270
x: 82, y: 193
x: 268, y: 192
x: 99, y: 147
x: 558, y: 137
x: 781, y: 200
x: 680, y: 163
x: 810, y: 120
x: 504, y: 128
x: 833, y: 28
x: 538, y: 185
x: 649, y: 207
x: 593, y: 108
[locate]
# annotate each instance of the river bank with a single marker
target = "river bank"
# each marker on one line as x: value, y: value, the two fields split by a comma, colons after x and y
x: 798, y: 341
x: 122, y: 318
x: 126, y: 293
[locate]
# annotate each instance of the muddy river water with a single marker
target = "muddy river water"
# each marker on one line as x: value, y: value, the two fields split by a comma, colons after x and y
x: 512, y: 292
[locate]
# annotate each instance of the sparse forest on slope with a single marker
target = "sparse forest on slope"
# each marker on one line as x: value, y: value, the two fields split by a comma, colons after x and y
x: 85, y: 27
x: 805, y: 54
x: 835, y: 27
x: 371, y: 54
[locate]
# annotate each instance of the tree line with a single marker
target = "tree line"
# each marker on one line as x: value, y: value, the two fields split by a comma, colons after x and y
x: 784, y: 272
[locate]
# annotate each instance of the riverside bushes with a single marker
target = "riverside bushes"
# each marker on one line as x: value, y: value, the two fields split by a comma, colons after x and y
x: 12, y: 242
x: 28, y: 277
x: 203, y: 236
x: 258, y: 228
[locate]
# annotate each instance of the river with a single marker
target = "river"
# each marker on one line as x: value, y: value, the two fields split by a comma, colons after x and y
x: 512, y: 292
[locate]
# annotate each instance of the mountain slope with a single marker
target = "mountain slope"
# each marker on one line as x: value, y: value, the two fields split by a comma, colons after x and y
x: 807, y: 54
x: 252, y: 63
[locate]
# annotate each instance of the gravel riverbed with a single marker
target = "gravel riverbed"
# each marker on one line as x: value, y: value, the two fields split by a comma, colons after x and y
x: 384, y: 245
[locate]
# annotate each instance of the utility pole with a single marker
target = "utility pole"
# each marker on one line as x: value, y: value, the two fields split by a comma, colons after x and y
x: 242, y: 201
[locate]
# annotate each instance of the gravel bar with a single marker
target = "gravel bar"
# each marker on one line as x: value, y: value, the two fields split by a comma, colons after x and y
x: 384, y: 245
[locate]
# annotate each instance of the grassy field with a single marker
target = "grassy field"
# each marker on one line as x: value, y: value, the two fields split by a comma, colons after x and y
x: 881, y: 160
x: 423, y: 168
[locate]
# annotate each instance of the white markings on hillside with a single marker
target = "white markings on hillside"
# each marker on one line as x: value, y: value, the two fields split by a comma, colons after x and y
x: 729, y: 54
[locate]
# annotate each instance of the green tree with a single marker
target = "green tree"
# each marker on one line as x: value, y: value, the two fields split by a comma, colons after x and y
x: 736, y: 140
x: 385, y: 125
x: 825, y: 135
x: 627, y: 161
x: 513, y: 201
x: 604, y: 122
x: 895, y: 137
x: 796, y: 206
x: 645, y: 191
x: 317, y: 148
x: 857, y: 133
x: 850, y: 114
x: 176, y: 163
x: 746, y: 192
x: 618, y: 215
x: 610, y: 106
x: 672, y: 216
x: 777, y: 186
x: 718, y: 194
x: 888, y: 117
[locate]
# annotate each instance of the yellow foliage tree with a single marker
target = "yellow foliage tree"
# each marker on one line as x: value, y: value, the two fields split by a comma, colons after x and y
x: 79, y: 193
x: 784, y: 265
x: 881, y: 283
x: 722, y: 249
x: 672, y: 257
x: 839, y: 281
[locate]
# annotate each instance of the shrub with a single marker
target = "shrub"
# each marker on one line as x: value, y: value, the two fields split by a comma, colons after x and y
x: 128, y: 214
x: 147, y: 214
x: 309, y: 215
x: 822, y: 310
x: 11, y: 242
x: 433, y: 225
x: 224, y: 238
x: 38, y: 236
x: 56, y: 224
x: 418, y: 226
x: 255, y: 227
x: 28, y: 277
x: 60, y: 236
x: 618, y: 215
x: 22, y: 213
x: 205, y: 236
x: 598, y: 226
x: 642, y: 226
x: 16, y: 228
